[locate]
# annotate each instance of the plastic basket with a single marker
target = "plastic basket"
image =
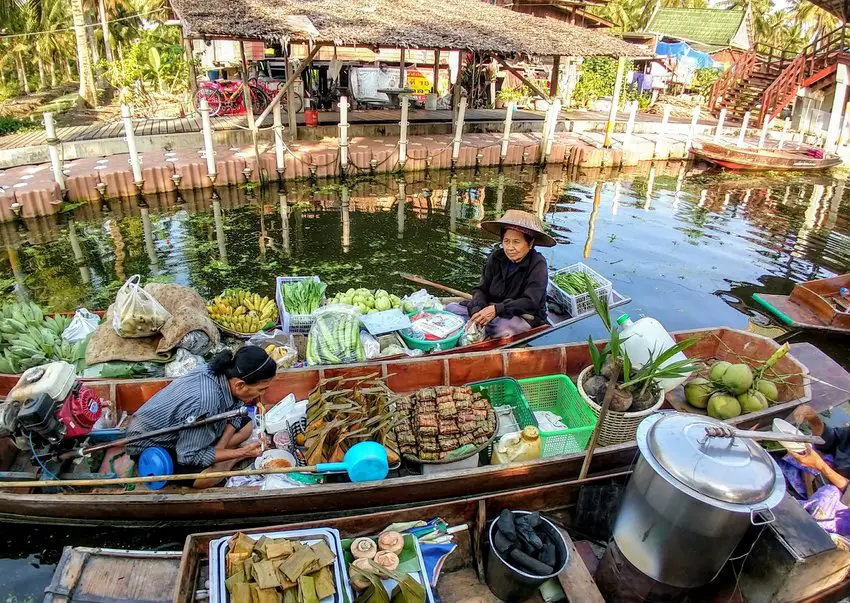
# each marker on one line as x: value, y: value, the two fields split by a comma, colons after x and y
x: 505, y: 391
x: 580, y: 304
x: 557, y: 394
x: 293, y: 323
x: 428, y: 345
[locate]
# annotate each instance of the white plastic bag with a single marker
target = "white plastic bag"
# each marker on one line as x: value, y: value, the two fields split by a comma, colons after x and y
x: 184, y: 362
x: 370, y: 345
x: 421, y: 300
x: 284, y: 351
x: 335, y: 336
x: 472, y: 333
x: 136, y: 313
x: 82, y: 325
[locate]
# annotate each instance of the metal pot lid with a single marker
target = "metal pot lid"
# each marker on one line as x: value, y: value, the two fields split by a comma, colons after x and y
x: 730, y: 470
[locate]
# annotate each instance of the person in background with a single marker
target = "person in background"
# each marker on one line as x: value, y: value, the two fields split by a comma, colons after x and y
x: 836, y: 442
x: 511, y: 297
x: 223, y: 385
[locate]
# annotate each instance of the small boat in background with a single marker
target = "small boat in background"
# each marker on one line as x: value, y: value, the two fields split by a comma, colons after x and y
x: 820, y: 305
x: 733, y: 157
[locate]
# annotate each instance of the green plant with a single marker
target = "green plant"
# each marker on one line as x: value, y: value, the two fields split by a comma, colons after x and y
x: 704, y: 79
x: 10, y: 125
x: 508, y: 94
x: 598, y: 75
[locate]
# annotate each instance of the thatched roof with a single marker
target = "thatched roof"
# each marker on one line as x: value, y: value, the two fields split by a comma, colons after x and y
x: 427, y: 24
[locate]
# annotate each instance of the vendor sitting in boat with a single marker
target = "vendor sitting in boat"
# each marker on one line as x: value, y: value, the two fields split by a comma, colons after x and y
x: 511, y: 297
x: 836, y: 442
x: 221, y: 386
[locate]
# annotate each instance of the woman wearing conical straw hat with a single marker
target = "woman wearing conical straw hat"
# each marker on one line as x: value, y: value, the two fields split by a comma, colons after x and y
x: 511, y: 297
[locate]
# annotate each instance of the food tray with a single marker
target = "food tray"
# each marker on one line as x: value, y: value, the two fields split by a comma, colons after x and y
x: 557, y: 394
x: 293, y: 323
x: 579, y: 304
x: 218, y: 556
x: 407, y: 562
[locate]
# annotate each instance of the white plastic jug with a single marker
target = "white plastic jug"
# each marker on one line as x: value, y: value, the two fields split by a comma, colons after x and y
x: 648, y: 337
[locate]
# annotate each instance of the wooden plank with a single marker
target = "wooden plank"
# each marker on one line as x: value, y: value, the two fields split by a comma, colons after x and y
x: 576, y: 579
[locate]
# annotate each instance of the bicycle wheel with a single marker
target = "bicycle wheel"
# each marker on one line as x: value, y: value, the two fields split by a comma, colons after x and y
x: 259, y: 100
x: 298, y: 102
x: 215, y: 100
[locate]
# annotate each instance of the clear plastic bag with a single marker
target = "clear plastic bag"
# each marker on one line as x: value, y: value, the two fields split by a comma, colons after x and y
x: 82, y: 325
x: 472, y: 333
x: 421, y: 300
x: 371, y: 347
x: 196, y: 342
x: 136, y: 313
x: 277, y: 344
x: 184, y: 362
x: 335, y: 336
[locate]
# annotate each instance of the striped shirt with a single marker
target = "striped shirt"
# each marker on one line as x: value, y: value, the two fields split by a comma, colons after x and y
x: 199, y: 394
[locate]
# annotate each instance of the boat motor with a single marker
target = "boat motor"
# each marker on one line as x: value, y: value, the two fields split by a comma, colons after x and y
x: 52, y: 405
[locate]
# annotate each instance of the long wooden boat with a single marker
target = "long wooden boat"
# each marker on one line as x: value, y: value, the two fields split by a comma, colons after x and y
x: 733, y: 157
x: 250, y: 506
x: 817, y: 305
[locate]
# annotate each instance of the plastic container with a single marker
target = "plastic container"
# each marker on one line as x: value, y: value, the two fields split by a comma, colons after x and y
x: 511, y: 584
x: 646, y: 339
x: 579, y: 305
x: 54, y: 379
x: 311, y: 118
x: 517, y: 447
x: 558, y: 395
x: 293, y: 323
x: 506, y: 391
x: 426, y: 345
x: 155, y: 461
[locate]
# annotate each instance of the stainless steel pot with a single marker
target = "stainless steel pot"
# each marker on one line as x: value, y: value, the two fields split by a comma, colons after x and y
x: 691, y: 498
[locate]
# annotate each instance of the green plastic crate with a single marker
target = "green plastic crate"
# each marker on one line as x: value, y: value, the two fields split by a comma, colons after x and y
x: 557, y: 394
x: 505, y: 391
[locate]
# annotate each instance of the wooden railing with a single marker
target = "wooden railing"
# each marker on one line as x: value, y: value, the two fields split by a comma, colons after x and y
x: 739, y: 71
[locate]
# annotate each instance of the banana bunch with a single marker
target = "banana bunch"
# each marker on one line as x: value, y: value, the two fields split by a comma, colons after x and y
x: 242, y: 311
x: 284, y: 357
x: 57, y: 323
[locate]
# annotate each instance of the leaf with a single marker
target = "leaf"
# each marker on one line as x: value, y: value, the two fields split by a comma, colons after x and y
x: 595, y: 356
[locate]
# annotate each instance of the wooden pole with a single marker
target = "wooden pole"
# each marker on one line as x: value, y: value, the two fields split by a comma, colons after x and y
x: 131, y: 145
x: 554, y: 79
x: 718, y: 132
x: 531, y: 86
x: 289, y: 84
x: 402, y: 134
x: 603, y: 413
x: 246, y: 89
x: 189, y: 49
x: 414, y: 278
x: 209, y: 151
x: 615, y: 103
x: 461, y: 112
x: 506, y: 133
x: 742, y: 135
x: 53, y: 150
x: 401, y: 78
x: 436, y: 70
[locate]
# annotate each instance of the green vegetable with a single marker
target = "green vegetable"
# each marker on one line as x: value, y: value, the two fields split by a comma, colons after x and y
x: 302, y: 297
x: 575, y: 283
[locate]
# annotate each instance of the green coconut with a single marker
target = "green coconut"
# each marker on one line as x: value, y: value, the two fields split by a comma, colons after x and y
x: 738, y: 378
x: 752, y: 401
x: 697, y: 392
x: 767, y: 389
x: 718, y: 369
x: 723, y: 406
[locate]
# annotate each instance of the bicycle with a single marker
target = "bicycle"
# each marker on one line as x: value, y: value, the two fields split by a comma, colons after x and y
x: 225, y: 97
x: 272, y: 91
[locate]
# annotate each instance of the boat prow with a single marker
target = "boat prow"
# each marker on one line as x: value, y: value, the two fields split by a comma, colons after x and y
x: 733, y: 157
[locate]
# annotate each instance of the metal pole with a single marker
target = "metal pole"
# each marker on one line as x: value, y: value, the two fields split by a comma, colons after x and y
x: 53, y: 150
x: 718, y: 132
x: 615, y: 102
x: 461, y: 112
x: 131, y: 146
x: 785, y: 126
x: 402, y: 134
x: 693, y: 131
x: 743, y: 132
x: 343, y: 133
x: 280, y: 157
x: 630, y: 125
x: 208, y: 140
x: 506, y: 134
x: 764, y: 128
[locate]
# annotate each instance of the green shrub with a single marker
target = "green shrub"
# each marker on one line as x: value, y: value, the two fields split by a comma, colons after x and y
x: 597, y: 79
x: 10, y: 125
x: 9, y: 90
x: 704, y: 79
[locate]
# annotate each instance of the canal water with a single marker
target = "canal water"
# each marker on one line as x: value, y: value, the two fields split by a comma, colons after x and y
x: 690, y: 247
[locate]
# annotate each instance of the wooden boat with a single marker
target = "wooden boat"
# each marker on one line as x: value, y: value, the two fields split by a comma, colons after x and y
x: 816, y: 305
x: 246, y: 506
x: 733, y: 157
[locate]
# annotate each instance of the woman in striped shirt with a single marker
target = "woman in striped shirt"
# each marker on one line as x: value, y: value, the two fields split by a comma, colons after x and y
x: 224, y: 384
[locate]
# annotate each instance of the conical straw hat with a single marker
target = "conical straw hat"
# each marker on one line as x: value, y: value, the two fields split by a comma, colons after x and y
x: 522, y: 221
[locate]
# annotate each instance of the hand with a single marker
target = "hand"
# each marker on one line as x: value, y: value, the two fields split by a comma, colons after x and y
x: 252, y: 450
x: 810, y: 459
x: 484, y: 317
x: 804, y: 413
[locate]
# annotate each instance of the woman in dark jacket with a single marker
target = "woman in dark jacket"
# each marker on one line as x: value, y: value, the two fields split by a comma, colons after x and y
x: 511, y: 297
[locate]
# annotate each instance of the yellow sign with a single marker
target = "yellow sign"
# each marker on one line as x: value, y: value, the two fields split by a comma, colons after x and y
x: 418, y: 81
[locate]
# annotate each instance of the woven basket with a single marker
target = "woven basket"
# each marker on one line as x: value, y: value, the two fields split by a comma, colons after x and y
x: 619, y: 427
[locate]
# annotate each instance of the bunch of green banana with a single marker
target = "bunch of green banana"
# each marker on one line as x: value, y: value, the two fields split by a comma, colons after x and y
x: 57, y: 323
x: 28, y: 338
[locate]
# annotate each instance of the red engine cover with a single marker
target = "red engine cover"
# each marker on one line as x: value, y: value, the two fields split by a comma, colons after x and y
x: 79, y: 412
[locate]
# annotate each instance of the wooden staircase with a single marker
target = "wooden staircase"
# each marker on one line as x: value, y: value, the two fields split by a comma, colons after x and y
x: 742, y: 86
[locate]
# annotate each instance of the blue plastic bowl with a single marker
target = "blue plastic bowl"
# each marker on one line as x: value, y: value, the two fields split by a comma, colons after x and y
x: 155, y: 461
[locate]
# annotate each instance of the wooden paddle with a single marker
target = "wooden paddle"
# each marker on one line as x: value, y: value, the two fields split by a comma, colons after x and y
x: 603, y: 412
x: 423, y: 281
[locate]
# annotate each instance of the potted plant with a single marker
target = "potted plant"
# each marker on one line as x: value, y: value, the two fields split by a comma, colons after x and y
x: 637, y: 393
x: 505, y: 96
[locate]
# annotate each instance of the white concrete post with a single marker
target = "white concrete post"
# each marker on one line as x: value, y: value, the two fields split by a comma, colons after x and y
x: 208, y: 140
x: 506, y: 134
x: 693, y: 131
x: 842, y: 138
x: 131, y: 145
x: 553, y: 125
x: 764, y: 128
x: 345, y: 218
x: 53, y: 150
x: 402, y: 134
x: 833, y: 130
x: 461, y: 112
x: 782, y: 136
x: 743, y: 133
x: 630, y: 125
x: 718, y: 132
x: 659, y: 141
x: 544, y: 139
x: 279, y: 155
x: 615, y: 103
x: 650, y: 183
x: 343, y: 132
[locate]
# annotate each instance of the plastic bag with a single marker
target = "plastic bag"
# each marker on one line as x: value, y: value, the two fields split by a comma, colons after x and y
x: 421, y: 300
x: 472, y: 333
x: 119, y: 369
x: 184, y: 363
x: 136, y: 313
x: 371, y: 347
x: 196, y: 342
x: 277, y: 344
x: 335, y: 336
x: 82, y: 325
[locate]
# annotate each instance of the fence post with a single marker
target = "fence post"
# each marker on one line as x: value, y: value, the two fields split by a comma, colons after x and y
x: 615, y: 103
x: 131, y: 146
x: 784, y: 132
x: 53, y: 150
x: 544, y: 139
x: 552, y: 125
x: 764, y: 128
x: 402, y: 134
x: 718, y: 132
x: 630, y: 125
x: 280, y: 157
x: 461, y: 112
x: 842, y: 137
x: 208, y: 140
x: 693, y: 131
x: 659, y: 141
x: 506, y: 134
x: 744, y: 125
x: 343, y: 133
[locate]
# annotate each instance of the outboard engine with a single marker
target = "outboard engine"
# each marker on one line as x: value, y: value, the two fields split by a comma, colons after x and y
x: 53, y: 405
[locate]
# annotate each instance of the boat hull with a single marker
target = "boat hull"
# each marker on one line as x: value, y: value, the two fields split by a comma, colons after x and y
x: 747, y: 158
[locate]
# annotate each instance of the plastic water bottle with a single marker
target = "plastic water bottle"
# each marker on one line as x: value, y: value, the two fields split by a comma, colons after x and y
x: 647, y: 338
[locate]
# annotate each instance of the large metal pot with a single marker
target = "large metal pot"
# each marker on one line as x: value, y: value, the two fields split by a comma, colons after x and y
x: 691, y: 498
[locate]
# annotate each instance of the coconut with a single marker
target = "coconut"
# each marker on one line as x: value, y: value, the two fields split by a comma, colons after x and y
x: 621, y: 401
x: 697, y: 392
x: 767, y: 389
x: 723, y: 406
x: 752, y: 401
x: 607, y: 367
x: 717, y: 370
x: 648, y: 400
x: 738, y: 378
x: 595, y: 387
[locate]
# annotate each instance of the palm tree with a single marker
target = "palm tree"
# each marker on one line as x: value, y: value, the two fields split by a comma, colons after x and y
x: 88, y: 92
